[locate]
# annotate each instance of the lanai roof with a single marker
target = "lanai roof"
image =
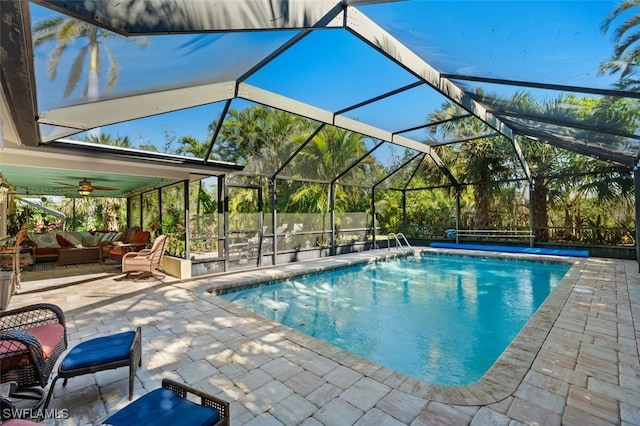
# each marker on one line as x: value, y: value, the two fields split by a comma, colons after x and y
x: 379, y: 68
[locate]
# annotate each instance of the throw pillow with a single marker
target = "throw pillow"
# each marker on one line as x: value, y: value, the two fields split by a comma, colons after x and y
x: 72, y: 238
x: 63, y: 242
x: 90, y: 241
x: 45, y: 240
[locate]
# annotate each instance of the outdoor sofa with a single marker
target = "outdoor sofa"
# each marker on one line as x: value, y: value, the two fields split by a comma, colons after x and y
x: 69, y: 247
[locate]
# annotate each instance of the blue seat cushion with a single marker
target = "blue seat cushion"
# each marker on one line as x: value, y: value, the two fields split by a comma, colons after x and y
x: 99, y: 351
x: 164, y: 407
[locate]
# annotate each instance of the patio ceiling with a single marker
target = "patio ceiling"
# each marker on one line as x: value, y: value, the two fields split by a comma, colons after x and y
x: 58, y: 168
x: 65, y: 182
x: 378, y: 68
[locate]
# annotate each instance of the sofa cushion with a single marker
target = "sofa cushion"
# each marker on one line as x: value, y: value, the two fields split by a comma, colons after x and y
x: 105, y: 236
x: 44, y: 240
x: 100, y: 350
x: 90, y: 241
x: 141, y: 237
x: 48, y: 335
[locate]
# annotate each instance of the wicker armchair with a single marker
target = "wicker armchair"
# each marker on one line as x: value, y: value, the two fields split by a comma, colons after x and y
x: 14, y: 251
x: 32, y: 339
x: 9, y: 413
x: 145, y: 261
x: 127, y: 238
x: 140, y: 241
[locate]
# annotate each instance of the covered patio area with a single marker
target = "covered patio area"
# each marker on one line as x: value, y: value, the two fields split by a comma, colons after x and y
x: 585, y: 370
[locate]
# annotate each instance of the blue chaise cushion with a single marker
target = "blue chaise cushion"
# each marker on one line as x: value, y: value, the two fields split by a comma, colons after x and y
x: 164, y: 407
x: 99, y: 351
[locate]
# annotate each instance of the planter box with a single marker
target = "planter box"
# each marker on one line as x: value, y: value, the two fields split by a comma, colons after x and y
x: 5, y: 289
x: 176, y: 267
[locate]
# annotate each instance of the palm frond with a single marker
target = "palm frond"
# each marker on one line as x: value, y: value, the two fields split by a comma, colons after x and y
x: 76, y: 71
x: 623, y: 45
x: 622, y: 8
x: 54, y: 60
x: 113, y: 70
x: 46, y: 30
x: 69, y: 31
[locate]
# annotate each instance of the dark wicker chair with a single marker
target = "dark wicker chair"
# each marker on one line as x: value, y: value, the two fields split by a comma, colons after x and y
x: 127, y: 237
x: 32, y: 339
x: 9, y: 414
x: 169, y: 405
x: 140, y: 241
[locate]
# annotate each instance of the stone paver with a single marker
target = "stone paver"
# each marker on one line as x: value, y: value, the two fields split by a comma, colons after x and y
x: 584, y: 370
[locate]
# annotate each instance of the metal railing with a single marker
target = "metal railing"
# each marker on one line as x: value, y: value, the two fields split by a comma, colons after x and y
x: 399, y: 246
x: 494, y: 233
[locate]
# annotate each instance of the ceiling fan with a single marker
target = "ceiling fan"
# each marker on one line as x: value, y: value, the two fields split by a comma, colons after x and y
x: 85, y: 188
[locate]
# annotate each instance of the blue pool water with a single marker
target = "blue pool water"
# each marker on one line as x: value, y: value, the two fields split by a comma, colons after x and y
x: 440, y: 319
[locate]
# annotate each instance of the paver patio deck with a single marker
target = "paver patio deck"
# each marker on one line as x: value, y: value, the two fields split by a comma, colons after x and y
x: 575, y: 363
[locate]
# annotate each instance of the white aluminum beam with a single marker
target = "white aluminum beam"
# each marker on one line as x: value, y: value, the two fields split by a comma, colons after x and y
x: 362, y: 128
x: 135, y: 17
x: 283, y: 103
x: 95, y: 114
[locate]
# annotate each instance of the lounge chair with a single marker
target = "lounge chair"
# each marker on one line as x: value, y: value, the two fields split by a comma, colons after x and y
x: 169, y: 405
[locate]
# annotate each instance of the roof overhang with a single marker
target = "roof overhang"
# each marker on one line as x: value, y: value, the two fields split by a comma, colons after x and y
x: 86, y: 160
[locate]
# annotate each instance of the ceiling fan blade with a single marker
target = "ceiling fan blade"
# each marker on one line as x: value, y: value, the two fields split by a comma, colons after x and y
x: 66, y: 184
x: 103, y: 188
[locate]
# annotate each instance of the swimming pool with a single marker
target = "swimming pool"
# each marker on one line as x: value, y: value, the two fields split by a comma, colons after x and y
x: 441, y: 319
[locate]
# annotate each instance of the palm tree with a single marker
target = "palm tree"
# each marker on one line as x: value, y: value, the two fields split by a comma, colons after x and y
x: 192, y: 147
x: 544, y: 160
x: 482, y: 162
x: 106, y: 139
x: 328, y: 154
x: 261, y: 137
x: 107, y: 207
x: 626, y: 53
x: 66, y: 31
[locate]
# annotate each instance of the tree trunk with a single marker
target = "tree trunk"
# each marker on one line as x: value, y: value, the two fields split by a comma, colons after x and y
x: 93, y: 85
x: 482, y: 197
x: 540, y: 209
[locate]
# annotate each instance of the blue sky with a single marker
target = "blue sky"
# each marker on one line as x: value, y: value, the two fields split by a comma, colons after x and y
x: 557, y: 42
